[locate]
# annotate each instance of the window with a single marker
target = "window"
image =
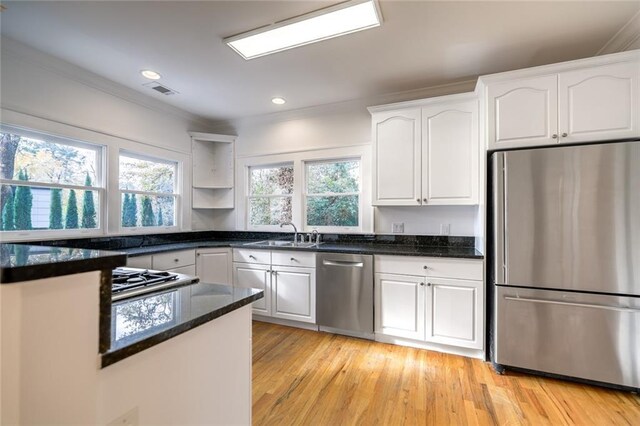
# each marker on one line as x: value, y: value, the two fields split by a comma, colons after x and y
x: 332, y: 197
x: 270, y: 193
x: 148, y: 195
x: 49, y: 183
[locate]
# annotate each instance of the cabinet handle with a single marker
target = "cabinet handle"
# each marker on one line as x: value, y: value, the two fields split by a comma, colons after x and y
x: 422, y: 284
x: 197, y: 254
x: 293, y: 259
x: 554, y: 136
x: 418, y: 200
x: 176, y: 260
x: 564, y: 135
x: 424, y: 199
x: 425, y: 267
x: 428, y: 284
x: 252, y: 257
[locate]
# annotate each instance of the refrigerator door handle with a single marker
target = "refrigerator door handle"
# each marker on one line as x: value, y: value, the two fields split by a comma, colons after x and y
x: 583, y: 305
x: 499, y: 225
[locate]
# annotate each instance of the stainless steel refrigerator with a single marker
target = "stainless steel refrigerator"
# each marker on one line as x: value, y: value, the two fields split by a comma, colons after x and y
x: 566, y: 261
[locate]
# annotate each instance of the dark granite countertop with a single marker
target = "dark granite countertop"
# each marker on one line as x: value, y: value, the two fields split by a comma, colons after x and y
x: 354, y: 248
x: 392, y: 249
x: 161, y: 248
x: 142, y: 322
x: 21, y: 262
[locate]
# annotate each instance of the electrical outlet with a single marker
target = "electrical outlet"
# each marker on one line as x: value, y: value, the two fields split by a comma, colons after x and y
x: 130, y: 418
x: 397, y: 227
x: 445, y: 228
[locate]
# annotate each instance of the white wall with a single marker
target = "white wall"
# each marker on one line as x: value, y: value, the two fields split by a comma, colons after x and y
x: 341, y: 125
x: 47, y: 94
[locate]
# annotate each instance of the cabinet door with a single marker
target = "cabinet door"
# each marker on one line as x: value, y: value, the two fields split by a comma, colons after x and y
x: 522, y: 112
x: 599, y: 103
x: 214, y: 266
x: 399, y: 305
x: 450, y: 154
x: 396, y: 158
x: 455, y: 312
x: 294, y: 294
x: 255, y: 276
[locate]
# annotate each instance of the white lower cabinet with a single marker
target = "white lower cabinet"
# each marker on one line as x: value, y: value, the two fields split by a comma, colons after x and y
x: 294, y: 293
x: 453, y: 307
x: 400, y: 307
x: 443, y: 313
x: 289, y: 292
x: 255, y: 276
x: 213, y: 265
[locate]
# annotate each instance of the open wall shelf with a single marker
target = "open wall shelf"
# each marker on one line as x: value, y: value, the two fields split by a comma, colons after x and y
x: 213, y: 171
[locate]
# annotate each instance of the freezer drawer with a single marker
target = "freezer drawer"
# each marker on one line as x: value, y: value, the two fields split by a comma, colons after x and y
x: 594, y: 337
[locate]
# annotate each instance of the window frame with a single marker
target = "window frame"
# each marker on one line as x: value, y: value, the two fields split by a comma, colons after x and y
x: 177, y: 194
x: 305, y: 196
x: 99, y: 187
x: 248, y: 195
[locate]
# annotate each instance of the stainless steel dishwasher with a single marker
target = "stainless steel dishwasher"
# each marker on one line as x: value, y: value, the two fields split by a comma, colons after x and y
x: 344, y: 294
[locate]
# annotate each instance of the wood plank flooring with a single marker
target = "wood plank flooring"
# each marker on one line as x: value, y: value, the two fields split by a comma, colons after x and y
x: 303, y: 377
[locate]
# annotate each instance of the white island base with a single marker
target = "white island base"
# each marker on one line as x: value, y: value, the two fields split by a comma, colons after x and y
x: 50, y: 366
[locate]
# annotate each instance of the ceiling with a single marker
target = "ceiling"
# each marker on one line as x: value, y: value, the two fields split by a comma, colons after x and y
x: 420, y: 44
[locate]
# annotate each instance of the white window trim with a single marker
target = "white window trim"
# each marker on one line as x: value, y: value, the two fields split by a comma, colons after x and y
x: 177, y: 203
x: 110, y: 205
x: 99, y: 188
x: 306, y: 195
x: 298, y: 159
x: 248, y: 196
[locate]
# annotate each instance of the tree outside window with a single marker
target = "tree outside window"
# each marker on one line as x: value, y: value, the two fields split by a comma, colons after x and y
x: 147, y: 188
x: 47, y: 182
x: 270, y: 193
x: 332, y: 198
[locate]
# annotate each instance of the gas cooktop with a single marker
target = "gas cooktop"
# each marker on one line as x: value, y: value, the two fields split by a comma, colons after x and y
x: 130, y: 282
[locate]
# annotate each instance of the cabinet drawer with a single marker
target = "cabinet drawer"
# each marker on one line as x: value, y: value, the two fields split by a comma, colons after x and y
x: 293, y: 258
x: 187, y: 270
x: 174, y: 259
x: 143, y: 262
x: 468, y: 269
x: 252, y: 256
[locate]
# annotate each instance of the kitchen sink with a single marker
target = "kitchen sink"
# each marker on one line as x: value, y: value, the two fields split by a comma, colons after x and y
x: 280, y: 243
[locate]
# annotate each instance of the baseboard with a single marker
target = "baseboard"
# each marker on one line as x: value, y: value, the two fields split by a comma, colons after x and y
x: 288, y: 323
x: 466, y: 352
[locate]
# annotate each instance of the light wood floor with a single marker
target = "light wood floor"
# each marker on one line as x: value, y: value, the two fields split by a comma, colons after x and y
x: 303, y: 377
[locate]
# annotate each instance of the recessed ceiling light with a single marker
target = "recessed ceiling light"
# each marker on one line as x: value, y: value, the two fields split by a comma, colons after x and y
x: 151, y: 75
x: 278, y: 101
x: 341, y: 19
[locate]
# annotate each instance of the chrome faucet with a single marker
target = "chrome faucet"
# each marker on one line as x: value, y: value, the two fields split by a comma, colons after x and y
x: 295, y: 231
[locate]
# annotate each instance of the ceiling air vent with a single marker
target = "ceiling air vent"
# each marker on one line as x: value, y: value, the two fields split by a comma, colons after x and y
x: 160, y: 88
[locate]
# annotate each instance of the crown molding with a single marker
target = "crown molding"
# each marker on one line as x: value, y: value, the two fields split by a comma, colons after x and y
x: 624, y: 38
x: 43, y: 60
x: 458, y: 87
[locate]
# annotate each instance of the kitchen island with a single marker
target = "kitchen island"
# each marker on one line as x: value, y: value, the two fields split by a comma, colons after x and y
x: 68, y: 356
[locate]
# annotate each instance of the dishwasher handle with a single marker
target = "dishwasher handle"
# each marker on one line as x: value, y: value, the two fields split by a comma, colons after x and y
x: 342, y: 263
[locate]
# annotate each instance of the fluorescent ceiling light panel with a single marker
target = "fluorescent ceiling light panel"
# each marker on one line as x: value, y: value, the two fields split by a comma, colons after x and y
x: 342, y: 19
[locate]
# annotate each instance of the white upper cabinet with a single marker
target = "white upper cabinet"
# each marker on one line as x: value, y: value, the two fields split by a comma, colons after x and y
x: 523, y: 112
x: 396, y: 155
x: 426, y: 152
x: 450, y: 154
x: 599, y: 103
x: 590, y: 100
